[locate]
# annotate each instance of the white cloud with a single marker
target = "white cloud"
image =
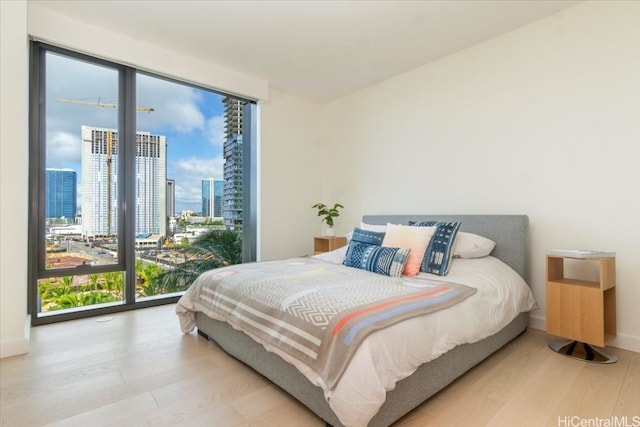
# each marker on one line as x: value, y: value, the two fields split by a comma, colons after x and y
x: 63, y: 148
x: 215, y: 130
x: 176, y: 106
x: 185, y: 116
x: 188, y: 174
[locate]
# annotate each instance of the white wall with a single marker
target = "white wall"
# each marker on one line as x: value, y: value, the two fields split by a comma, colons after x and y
x: 14, y: 338
x: 543, y: 121
x: 290, y: 177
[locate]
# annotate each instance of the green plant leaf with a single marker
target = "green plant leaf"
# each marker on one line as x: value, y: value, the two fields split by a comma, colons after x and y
x: 328, y: 214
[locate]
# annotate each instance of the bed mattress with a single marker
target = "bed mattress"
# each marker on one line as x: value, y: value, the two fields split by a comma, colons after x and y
x: 394, y: 353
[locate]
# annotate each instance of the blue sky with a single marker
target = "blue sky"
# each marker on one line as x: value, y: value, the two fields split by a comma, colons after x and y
x: 191, y: 119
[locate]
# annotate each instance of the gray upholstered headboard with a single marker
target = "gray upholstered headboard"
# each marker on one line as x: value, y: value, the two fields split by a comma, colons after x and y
x: 508, y: 231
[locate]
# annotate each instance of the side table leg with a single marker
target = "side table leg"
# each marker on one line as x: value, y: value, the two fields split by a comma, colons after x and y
x: 582, y: 351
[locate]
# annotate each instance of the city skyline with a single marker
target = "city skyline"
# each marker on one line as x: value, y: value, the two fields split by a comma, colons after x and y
x: 192, y: 120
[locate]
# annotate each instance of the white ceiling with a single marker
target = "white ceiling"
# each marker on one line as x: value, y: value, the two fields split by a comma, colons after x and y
x: 317, y: 50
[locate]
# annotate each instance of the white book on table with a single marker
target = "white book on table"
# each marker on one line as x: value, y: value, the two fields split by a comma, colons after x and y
x: 581, y: 253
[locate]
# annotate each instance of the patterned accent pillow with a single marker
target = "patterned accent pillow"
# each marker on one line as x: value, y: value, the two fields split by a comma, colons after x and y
x: 468, y: 245
x: 437, y: 257
x: 368, y: 237
x: 377, y: 259
x: 423, y: 223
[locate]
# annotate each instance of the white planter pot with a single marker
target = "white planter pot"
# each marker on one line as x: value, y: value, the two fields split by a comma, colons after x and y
x: 329, y: 231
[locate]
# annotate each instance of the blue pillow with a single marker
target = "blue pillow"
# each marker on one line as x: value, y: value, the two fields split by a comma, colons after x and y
x: 368, y: 237
x: 437, y: 257
x: 377, y: 259
x: 423, y: 223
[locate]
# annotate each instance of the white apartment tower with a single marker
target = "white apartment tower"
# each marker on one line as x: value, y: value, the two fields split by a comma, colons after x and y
x: 100, y: 149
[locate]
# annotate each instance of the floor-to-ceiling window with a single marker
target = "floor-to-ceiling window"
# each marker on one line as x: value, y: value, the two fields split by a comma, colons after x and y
x: 128, y: 184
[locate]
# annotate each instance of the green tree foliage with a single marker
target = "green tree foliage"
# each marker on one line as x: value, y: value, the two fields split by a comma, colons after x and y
x: 81, y: 299
x: 93, y: 278
x: 51, y: 290
x: 148, y: 280
x: 59, y: 294
x: 114, y: 282
x: 216, y: 248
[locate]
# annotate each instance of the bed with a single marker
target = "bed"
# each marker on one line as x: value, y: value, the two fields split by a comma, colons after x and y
x: 401, y: 393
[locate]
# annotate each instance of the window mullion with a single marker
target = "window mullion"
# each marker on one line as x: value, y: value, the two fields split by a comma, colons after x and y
x: 128, y: 179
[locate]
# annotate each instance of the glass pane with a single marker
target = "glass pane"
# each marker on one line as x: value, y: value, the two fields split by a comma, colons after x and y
x: 72, y: 293
x: 81, y: 178
x: 180, y: 185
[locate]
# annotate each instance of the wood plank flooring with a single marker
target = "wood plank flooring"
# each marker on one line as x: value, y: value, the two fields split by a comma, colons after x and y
x: 138, y: 369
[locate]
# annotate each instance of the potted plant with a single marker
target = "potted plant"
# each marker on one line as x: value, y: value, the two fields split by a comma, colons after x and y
x: 327, y: 213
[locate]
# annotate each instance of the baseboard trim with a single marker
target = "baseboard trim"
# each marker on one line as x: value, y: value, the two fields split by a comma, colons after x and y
x: 15, y: 347
x: 538, y: 322
x: 626, y: 342
x: 622, y: 341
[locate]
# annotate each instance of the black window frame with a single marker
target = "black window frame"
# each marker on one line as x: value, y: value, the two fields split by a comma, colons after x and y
x: 126, y: 196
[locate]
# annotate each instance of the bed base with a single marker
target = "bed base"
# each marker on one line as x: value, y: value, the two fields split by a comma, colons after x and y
x: 409, y: 393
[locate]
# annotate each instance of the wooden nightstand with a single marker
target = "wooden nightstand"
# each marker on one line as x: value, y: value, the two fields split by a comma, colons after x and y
x: 581, y: 310
x: 326, y: 243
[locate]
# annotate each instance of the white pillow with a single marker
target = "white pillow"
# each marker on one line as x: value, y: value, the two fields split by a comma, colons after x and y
x: 469, y: 245
x: 373, y: 227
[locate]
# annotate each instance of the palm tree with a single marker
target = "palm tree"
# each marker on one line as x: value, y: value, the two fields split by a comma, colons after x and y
x: 94, y: 281
x: 114, y: 282
x: 149, y: 283
x: 67, y: 281
x: 213, y: 249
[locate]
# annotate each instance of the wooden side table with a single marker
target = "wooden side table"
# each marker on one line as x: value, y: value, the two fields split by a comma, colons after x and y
x: 328, y: 243
x: 582, y: 311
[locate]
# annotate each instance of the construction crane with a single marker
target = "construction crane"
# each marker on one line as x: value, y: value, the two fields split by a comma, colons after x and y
x: 101, y: 104
x: 109, y: 144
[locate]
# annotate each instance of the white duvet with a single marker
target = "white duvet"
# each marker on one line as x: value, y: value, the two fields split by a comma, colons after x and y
x: 394, y: 353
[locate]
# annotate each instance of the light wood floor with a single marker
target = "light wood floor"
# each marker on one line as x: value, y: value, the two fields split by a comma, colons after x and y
x: 138, y: 369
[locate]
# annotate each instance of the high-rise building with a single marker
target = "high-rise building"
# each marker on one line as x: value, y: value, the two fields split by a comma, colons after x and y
x: 100, y: 150
x: 61, y: 193
x: 218, y: 191
x: 207, y: 197
x: 171, y: 198
x: 212, y: 190
x: 232, y: 150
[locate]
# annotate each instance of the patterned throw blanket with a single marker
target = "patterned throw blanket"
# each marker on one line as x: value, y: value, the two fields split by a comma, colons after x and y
x: 317, y: 312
